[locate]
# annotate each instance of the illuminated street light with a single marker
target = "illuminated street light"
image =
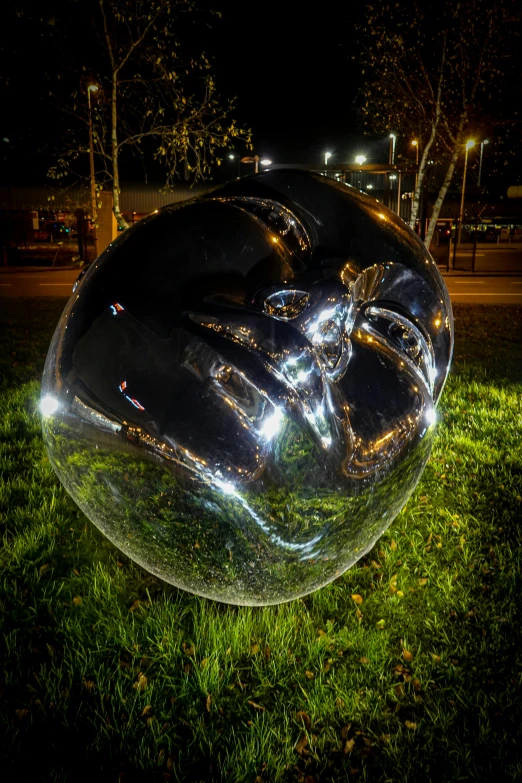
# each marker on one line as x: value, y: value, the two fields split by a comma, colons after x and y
x: 360, y: 159
x: 486, y: 141
x: 91, y: 88
x: 391, y: 156
x: 256, y: 160
x: 415, y: 144
x: 469, y: 144
x: 326, y: 156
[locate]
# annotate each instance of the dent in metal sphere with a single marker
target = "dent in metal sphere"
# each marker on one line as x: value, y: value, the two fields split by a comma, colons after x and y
x: 240, y: 392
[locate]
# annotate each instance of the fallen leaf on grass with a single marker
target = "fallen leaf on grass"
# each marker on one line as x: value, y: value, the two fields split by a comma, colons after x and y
x: 208, y: 702
x: 393, y: 544
x: 256, y: 706
x: 423, y: 582
x: 188, y: 649
x: 309, y: 675
x: 416, y: 684
x: 301, y: 744
x: 436, y: 658
x: 43, y: 568
x: 254, y: 649
x: 348, y: 746
x: 146, y: 710
x: 77, y: 600
x: 21, y: 714
x: 406, y: 654
x: 301, y: 715
x: 141, y: 682
x: 358, y: 599
x: 364, y: 660
x: 410, y: 725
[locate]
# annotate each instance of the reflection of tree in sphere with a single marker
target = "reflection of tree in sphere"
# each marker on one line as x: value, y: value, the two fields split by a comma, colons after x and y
x: 240, y: 393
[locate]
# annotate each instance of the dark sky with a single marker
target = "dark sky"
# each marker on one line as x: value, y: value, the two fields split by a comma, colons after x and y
x: 290, y: 67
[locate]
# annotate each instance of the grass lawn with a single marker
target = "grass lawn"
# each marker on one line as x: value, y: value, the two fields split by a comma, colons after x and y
x: 407, y: 668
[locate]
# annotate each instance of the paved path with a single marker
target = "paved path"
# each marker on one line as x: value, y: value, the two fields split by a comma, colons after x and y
x: 467, y: 288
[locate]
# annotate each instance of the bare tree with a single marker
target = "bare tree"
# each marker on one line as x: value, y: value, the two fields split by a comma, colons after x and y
x: 428, y: 75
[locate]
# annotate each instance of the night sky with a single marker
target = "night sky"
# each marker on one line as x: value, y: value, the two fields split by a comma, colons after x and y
x: 290, y: 67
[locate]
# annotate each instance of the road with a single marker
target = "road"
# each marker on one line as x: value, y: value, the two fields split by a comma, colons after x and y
x: 462, y: 288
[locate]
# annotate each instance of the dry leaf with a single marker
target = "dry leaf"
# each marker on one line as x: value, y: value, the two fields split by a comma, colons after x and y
x: 204, y: 663
x: 77, y: 600
x: 256, y: 706
x: 254, y: 649
x: 416, y: 684
x: 410, y: 725
x: 21, y: 714
x: 188, y: 649
x: 364, y: 660
x: 301, y: 715
x: 309, y: 675
x: 208, y: 702
x: 348, y: 746
x: 146, y: 710
x: 88, y: 684
x: 423, y: 582
x: 141, y: 682
x: 393, y: 544
x: 358, y: 599
x: 436, y: 658
x: 301, y: 744
x: 408, y: 657
x: 43, y: 568
x: 135, y: 605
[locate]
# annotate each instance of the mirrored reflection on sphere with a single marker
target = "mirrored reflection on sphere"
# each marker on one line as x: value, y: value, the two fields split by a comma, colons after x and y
x: 241, y: 390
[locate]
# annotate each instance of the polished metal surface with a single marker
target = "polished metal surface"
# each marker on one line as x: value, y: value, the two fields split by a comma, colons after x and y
x: 240, y: 392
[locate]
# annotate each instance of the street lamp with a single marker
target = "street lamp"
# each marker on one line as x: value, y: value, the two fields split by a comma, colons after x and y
x: 360, y: 159
x: 256, y: 160
x: 486, y: 141
x: 326, y: 156
x: 469, y: 144
x: 233, y: 156
x: 415, y: 144
x: 391, y: 156
x: 92, y: 88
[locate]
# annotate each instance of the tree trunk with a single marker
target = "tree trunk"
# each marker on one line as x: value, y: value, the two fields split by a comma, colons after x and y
x: 420, y: 177
x: 122, y: 223
x: 441, y: 196
x: 447, y: 179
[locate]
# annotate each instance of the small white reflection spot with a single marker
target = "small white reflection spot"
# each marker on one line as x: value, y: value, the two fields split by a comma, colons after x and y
x: 272, y: 424
x: 48, y: 405
x: 431, y: 415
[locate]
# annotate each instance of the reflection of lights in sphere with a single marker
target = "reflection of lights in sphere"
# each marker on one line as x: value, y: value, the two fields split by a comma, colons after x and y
x: 244, y: 417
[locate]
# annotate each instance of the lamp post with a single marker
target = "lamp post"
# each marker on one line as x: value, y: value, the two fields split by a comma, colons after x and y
x: 326, y: 156
x: 256, y: 160
x: 391, y: 156
x: 486, y: 141
x: 233, y: 156
x: 415, y: 144
x: 469, y: 144
x: 360, y: 159
x: 92, y: 88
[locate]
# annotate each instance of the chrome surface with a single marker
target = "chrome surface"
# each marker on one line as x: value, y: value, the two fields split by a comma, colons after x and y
x: 240, y: 392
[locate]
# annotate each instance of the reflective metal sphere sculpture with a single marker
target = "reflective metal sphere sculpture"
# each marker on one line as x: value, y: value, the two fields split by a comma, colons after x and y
x: 240, y: 392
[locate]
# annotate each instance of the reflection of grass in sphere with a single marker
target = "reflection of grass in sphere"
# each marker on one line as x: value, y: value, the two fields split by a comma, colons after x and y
x: 274, y: 542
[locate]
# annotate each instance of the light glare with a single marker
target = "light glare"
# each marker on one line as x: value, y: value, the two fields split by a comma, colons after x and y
x: 48, y: 405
